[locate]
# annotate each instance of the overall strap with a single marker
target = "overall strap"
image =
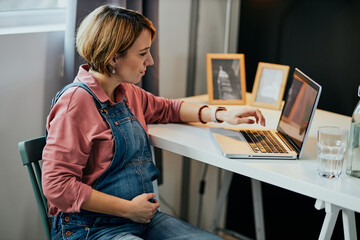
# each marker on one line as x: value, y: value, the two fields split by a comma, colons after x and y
x: 99, y: 104
x: 77, y: 84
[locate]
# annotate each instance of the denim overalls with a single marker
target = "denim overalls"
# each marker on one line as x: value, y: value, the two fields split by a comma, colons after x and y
x: 130, y: 174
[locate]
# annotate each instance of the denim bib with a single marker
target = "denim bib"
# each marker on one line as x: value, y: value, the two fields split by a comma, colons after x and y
x: 131, y: 170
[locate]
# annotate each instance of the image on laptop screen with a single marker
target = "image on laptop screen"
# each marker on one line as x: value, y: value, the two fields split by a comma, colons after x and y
x: 299, y: 104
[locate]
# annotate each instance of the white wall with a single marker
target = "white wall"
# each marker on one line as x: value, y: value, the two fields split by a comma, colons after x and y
x: 31, y: 64
x: 174, y: 41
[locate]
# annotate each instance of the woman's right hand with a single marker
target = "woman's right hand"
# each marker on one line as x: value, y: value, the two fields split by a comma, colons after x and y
x: 142, y: 209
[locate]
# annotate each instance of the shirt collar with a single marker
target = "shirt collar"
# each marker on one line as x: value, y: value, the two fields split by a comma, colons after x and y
x: 86, y: 77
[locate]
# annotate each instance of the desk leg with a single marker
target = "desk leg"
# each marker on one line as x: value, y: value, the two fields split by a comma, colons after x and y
x: 258, y: 209
x: 332, y: 213
x: 257, y: 204
x: 349, y: 224
x: 221, y: 199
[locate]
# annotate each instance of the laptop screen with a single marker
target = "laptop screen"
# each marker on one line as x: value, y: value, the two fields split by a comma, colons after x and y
x: 299, y: 108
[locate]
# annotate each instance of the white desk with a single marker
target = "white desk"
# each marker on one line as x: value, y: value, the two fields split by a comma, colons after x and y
x: 193, y: 141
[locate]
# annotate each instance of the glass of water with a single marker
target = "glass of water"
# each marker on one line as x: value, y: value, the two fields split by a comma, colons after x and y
x: 331, y: 147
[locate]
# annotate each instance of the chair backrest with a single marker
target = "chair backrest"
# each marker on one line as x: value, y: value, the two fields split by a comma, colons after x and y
x: 31, y: 153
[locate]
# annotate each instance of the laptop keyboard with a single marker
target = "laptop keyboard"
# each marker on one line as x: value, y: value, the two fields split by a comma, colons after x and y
x: 263, y: 141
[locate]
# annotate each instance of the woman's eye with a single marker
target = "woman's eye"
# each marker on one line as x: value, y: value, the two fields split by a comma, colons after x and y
x: 143, y: 54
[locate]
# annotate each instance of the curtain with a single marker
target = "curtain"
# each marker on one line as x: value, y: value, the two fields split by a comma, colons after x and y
x: 78, y: 9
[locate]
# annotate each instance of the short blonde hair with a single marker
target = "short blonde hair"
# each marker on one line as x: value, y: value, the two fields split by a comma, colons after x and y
x: 107, y: 31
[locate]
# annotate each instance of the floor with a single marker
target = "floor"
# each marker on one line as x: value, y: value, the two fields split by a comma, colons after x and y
x: 231, y: 235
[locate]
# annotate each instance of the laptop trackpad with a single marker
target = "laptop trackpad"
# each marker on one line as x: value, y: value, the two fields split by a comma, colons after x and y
x: 229, y: 141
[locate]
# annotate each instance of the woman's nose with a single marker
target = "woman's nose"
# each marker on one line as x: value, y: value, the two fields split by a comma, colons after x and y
x: 149, y: 61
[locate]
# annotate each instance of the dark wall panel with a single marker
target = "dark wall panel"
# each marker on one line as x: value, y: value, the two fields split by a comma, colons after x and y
x: 322, y: 38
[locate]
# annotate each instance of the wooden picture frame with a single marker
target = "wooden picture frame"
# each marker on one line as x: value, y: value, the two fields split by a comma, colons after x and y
x: 269, y: 85
x: 226, y: 82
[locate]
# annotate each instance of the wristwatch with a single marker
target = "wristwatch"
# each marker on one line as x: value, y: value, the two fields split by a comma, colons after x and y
x: 213, y: 113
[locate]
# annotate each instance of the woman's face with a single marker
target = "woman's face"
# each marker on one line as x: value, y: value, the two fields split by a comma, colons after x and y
x: 131, y: 67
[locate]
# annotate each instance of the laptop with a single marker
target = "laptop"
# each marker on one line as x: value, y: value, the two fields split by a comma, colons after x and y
x: 288, y: 140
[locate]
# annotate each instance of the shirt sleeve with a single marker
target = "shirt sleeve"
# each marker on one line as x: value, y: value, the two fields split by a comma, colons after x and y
x: 158, y: 109
x: 64, y: 157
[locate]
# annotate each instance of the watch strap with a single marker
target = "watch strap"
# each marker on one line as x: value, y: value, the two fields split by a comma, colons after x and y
x: 213, y: 114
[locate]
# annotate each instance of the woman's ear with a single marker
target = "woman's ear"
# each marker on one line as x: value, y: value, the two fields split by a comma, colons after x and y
x: 113, y: 60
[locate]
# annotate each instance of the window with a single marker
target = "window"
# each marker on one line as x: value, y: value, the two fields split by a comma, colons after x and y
x: 11, y: 5
x: 26, y: 16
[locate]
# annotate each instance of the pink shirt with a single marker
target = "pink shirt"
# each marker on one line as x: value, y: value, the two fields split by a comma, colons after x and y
x: 79, y: 146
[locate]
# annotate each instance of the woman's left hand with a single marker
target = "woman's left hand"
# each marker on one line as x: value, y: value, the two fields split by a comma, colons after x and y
x: 243, y: 115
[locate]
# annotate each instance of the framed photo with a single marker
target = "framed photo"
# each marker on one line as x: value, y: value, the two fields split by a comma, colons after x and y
x: 269, y: 85
x: 226, y: 81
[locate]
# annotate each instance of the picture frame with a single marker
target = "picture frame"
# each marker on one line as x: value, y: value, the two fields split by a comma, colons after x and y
x: 226, y: 79
x: 269, y: 85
